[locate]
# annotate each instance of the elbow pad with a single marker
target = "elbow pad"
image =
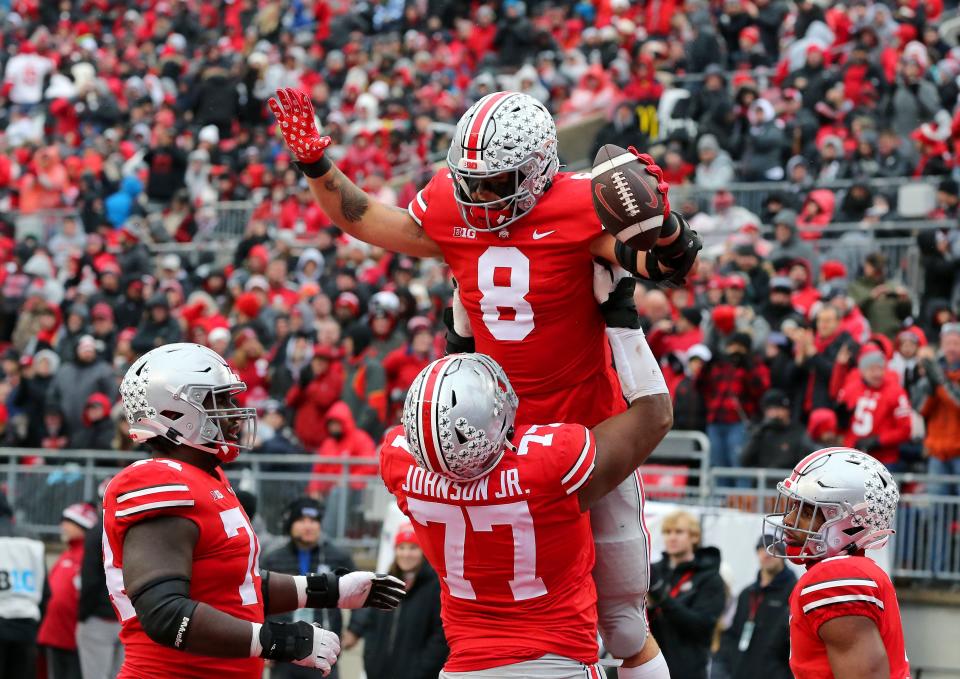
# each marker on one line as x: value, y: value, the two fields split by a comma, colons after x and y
x: 165, y: 609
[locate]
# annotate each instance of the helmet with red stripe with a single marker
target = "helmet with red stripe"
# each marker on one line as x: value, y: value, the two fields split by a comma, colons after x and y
x: 458, y: 416
x: 502, y: 158
x: 836, y: 501
x: 183, y: 393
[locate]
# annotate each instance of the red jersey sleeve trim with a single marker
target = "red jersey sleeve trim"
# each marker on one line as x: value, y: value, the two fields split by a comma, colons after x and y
x: 151, y: 490
x: 839, y: 582
x: 582, y: 469
x: 418, y: 208
x: 151, y: 506
x: 841, y: 599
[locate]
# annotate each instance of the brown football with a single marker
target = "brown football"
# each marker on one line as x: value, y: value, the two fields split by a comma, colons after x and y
x: 626, y: 198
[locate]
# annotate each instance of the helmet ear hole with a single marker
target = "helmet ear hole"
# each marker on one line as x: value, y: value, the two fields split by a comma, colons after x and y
x: 853, y: 530
x: 172, y: 415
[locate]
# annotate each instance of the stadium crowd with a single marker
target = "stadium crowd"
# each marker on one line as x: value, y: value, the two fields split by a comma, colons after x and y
x: 125, y: 125
x: 133, y: 121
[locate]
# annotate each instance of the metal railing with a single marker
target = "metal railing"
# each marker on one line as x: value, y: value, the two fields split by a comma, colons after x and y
x: 926, y: 546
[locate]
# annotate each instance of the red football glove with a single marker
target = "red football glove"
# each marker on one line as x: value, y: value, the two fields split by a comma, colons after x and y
x: 294, y: 111
x: 662, y: 186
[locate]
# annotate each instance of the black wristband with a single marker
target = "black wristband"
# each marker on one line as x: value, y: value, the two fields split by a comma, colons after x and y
x: 456, y: 343
x: 677, y: 247
x: 670, y: 226
x: 286, y: 641
x: 626, y: 257
x: 314, y: 170
x: 323, y: 590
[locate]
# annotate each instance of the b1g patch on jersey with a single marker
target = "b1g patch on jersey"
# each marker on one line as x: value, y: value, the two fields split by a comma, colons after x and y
x: 464, y: 232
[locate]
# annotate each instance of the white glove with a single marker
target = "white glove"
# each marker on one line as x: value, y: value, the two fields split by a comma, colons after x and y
x: 326, y: 648
x: 361, y: 589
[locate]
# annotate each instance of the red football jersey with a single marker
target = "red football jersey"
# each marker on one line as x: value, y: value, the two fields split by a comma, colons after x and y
x: 530, y: 295
x: 833, y: 588
x: 513, y: 550
x: 225, y: 572
x: 884, y: 413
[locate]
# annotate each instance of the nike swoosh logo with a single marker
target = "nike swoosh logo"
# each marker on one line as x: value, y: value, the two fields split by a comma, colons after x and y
x: 538, y: 236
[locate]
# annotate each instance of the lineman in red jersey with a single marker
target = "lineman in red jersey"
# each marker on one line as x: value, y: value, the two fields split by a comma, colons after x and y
x: 521, y: 239
x: 179, y: 553
x: 844, y: 617
x: 501, y: 512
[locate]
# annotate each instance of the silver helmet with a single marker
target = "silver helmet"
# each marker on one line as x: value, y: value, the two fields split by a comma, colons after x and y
x: 182, y: 392
x: 855, y: 494
x: 458, y: 416
x: 508, y: 136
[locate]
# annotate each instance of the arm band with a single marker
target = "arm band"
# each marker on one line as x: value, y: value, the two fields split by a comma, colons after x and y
x: 314, y: 170
x: 670, y: 226
x: 626, y: 257
x: 265, y: 591
x: 637, y: 369
x: 165, y: 609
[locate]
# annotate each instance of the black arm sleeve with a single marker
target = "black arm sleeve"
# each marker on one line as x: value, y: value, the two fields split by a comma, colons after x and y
x: 165, y: 609
x: 456, y: 344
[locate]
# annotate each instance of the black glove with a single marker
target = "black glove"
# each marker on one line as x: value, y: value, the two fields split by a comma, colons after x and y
x: 620, y: 310
x: 679, y: 256
x: 867, y: 444
x: 658, y: 593
x: 306, y: 375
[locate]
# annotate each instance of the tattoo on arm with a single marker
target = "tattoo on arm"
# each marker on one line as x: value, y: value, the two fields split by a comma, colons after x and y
x: 353, y: 202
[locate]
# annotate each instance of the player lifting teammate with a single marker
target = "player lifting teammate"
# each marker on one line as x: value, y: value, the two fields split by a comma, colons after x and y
x: 501, y: 509
x: 521, y: 238
x: 844, y: 617
x: 179, y: 552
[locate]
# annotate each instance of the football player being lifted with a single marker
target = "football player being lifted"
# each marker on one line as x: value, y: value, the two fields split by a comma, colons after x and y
x: 501, y: 509
x: 521, y: 239
x: 179, y: 552
x: 844, y: 616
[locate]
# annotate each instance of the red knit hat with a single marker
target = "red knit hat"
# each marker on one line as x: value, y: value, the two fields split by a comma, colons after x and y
x: 248, y: 305
x: 913, y: 333
x: 831, y: 269
x: 406, y: 534
x: 725, y: 318
x: 822, y: 421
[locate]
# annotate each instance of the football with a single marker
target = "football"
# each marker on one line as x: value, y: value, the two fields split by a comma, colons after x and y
x: 626, y: 198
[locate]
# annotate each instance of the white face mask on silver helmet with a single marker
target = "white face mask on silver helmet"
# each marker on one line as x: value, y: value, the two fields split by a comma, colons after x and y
x: 458, y: 416
x: 182, y: 392
x: 508, y: 134
x: 855, y: 494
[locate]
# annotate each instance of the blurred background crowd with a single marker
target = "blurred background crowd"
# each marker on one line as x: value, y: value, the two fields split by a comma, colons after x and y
x: 145, y: 198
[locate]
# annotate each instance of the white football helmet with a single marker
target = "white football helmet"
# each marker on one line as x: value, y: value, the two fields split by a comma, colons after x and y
x: 856, y: 495
x: 458, y: 416
x: 182, y: 392
x: 509, y: 134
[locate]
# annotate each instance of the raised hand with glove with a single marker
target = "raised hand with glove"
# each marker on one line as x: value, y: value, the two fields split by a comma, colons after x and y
x: 350, y: 208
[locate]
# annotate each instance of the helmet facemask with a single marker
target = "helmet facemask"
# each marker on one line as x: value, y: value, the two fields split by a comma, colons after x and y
x: 226, y: 426
x: 843, y: 528
x: 516, y: 192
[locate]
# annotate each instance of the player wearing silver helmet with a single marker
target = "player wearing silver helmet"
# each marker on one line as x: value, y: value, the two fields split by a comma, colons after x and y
x: 179, y: 552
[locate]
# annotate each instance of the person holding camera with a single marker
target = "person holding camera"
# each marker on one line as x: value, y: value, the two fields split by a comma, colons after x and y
x: 777, y: 442
x: 732, y: 385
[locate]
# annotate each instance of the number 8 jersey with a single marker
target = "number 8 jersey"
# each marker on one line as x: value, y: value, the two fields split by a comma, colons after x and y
x: 530, y: 298
x: 513, y: 550
x: 225, y: 573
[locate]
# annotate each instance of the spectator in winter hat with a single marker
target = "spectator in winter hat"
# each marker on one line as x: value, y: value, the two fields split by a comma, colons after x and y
x: 715, y: 168
x: 77, y: 379
x: 905, y: 360
x: 158, y: 326
x: 98, y: 429
x: 885, y: 303
x: 788, y: 245
x: 940, y: 408
x: 778, y: 442
x: 57, y: 633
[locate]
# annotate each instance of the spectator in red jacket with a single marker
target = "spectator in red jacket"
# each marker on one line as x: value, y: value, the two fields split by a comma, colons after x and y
x: 342, y: 438
x: 250, y: 363
x: 57, y: 632
x: 403, y: 364
x: 676, y: 336
x: 317, y: 389
x: 876, y: 408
